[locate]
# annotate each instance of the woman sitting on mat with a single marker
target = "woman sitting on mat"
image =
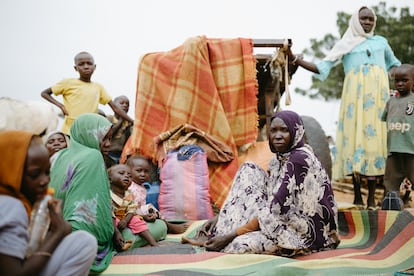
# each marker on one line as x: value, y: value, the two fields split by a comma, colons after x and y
x: 289, y: 211
x: 81, y: 181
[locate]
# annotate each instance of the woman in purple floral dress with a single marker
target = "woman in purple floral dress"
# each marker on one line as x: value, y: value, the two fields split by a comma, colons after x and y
x: 288, y: 211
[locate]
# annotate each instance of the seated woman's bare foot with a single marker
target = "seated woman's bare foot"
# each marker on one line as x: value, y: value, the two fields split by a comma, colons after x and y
x: 198, y: 241
x: 177, y: 228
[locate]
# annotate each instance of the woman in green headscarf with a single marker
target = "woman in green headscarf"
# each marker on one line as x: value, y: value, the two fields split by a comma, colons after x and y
x: 80, y: 179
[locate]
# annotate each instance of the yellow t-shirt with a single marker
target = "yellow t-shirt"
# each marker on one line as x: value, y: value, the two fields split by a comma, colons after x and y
x: 80, y: 97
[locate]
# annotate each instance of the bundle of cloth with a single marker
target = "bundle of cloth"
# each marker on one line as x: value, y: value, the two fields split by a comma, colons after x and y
x: 206, y: 83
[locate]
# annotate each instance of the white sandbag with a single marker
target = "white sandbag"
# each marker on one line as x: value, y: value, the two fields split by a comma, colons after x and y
x: 35, y: 116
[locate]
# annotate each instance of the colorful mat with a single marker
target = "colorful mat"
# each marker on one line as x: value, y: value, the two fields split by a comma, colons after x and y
x: 372, y: 243
x: 207, y: 83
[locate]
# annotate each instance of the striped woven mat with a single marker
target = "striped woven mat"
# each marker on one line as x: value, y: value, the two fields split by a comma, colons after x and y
x: 372, y: 243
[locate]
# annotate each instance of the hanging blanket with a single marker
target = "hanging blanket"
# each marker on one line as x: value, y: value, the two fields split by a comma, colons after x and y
x: 208, y: 83
x: 372, y: 243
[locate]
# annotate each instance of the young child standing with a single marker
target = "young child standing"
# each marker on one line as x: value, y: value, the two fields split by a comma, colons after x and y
x: 140, y: 172
x: 124, y: 207
x: 399, y: 116
x: 121, y: 129
x: 81, y: 95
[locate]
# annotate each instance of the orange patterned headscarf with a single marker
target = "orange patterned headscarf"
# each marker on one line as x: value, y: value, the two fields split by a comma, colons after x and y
x: 13, y: 149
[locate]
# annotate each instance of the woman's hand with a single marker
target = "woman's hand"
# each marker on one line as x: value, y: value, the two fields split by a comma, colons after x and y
x: 294, y: 58
x: 297, y: 60
x: 207, y: 228
x: 219, y: 242
x: 118, y: 240
x: 58, y: 225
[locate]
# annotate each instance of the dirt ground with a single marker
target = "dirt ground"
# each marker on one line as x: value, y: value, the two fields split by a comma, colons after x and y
x: 344, y: 194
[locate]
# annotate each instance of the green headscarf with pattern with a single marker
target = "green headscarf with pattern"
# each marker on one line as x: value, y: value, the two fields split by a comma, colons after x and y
x: 80, y: 179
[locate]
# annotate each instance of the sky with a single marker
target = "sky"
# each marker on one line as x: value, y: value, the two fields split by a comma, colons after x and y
x: 40, y: 38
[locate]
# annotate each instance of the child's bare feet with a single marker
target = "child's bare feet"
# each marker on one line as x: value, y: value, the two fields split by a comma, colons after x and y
x: 176, y: 228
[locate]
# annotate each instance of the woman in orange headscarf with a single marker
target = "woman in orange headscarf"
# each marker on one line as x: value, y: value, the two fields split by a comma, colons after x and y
x: 24, y: 178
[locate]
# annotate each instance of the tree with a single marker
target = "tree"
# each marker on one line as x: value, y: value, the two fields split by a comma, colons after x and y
x: 398, y: 29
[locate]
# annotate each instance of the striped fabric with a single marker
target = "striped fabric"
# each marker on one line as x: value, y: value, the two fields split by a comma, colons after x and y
x: 184, y: 191
x: 372, y: 243
x: 208, y: 83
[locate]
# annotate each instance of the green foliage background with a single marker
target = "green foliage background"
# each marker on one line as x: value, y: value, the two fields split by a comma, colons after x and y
x: 396, y: 25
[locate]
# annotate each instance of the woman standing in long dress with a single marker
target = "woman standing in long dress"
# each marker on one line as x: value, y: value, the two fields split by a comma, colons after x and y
x: 361, y: 135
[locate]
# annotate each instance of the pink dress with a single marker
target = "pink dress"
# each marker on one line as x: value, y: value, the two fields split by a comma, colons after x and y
x: 139, y: 192
x: 140, y: 196
x: 123, y: 206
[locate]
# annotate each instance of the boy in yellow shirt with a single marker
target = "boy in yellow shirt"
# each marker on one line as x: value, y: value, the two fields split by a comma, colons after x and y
x: 81, y: 95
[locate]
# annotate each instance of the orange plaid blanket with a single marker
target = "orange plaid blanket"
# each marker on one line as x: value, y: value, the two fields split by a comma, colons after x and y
x: 208, y: 83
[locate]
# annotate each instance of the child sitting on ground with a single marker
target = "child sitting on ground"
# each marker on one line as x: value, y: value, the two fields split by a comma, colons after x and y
x: 124, y: 208
x: 140, y: 172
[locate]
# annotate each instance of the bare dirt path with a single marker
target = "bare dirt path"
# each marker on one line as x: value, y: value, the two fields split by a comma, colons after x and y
x: 344, y: 194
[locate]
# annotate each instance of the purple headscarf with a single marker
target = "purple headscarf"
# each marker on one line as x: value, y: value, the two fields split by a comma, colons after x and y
x: 295, y: 126
x: 302, y: 214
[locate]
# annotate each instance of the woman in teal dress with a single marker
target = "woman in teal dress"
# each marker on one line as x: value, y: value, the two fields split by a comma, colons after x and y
x: 80, y: 180
x: 361, y: 135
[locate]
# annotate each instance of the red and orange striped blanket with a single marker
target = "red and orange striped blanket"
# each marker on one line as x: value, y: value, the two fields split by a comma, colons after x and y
x: 372, y: 243
x: 207, y: 83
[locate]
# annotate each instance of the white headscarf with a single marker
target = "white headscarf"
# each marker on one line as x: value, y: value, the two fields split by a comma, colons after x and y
x: 66, y: 137
x: 353, y: 36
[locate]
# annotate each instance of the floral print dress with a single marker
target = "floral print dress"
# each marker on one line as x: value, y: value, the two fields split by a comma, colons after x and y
x: 293, y: 202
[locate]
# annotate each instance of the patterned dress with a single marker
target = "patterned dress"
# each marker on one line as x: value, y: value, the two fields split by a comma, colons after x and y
x: 361, y: 135
x: 122, y: 206
x: 294, y: 203
x: 80, y: 180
